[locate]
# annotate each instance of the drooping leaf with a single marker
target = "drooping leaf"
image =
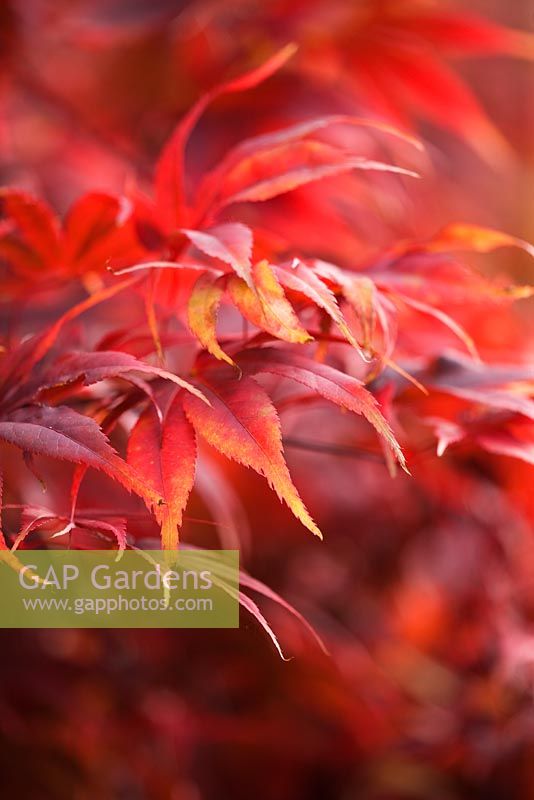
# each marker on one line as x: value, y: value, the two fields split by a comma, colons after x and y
x: 231, y: 243
x: 440, y: 279
x: 164, y: 453
x: 243, y: 160
x: 503, y: 387
x: 94, y: 367
x: 461, y: 236
x: 444, y: 318
x: 500, y: 437
x: 360, y: 292
x: 115, y: 526
x: 298, y: 277
x: 266, y: 306
x: 202, y: 311
x: 62, y: 433
x: 242, y: 423
x: 268, y: 174
x: 343, y: 390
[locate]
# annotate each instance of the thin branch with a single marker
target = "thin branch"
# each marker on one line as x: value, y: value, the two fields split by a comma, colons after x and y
x: 333, y: 449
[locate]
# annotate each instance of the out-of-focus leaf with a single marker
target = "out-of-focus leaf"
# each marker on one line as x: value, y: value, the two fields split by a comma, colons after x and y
x: 461, y: 236
x: 271, y: 173
x: 39, y: 228
x: 96, y: 230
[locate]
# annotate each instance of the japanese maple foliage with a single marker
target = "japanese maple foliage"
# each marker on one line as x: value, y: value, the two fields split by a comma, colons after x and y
x: 250, y: 317
x: 287, y: 302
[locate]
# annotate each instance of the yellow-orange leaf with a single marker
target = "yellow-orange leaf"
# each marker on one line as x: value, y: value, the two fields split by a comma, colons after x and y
x: 267, y: 307
x: 202, y: 311
x: 460, y: 236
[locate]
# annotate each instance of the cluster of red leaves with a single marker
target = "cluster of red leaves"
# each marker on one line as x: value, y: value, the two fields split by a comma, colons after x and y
x: 155, y: 333
x: 215, y: 261
x: 294, y: 301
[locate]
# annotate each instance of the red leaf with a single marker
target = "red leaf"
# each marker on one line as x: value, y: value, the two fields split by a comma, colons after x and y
x: 95, y: 231
x: 444, y: 318
x: 335, y: 386
x: 270, y: 173
x: 506, y: 388
x: 462, y: 236
x: 164, y: 454
x: 95, y: 367
x: 39, y: 228
x: 231, y: 243
x: 63, y: 433
x: 502, y: 438
x: 468, y: 34
x: 242, y: 159
x: 170, y: 170
x: 243, y: 424
x: 300, y: 278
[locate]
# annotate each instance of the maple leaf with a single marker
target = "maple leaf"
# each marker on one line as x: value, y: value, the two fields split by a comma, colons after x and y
x: 259, y: 157
x: 231, y: 243
x: 94, y: 367
x: 202, y: 311
x: 242, y: 423
x: 391, y: 58
x: 335, y: 386
x: 266, y: 306
x: 170, y: 172
x: 497, y: 412
x: 257, y: 169
x: 503, y: 387
x: 461, y: 236
x: 164, y: 453
x: 39, y: 248
x: 62, y: 433
x: 40, y: 229
x: 502, y: 437
x: 43, y: 521
x: 302, y: 280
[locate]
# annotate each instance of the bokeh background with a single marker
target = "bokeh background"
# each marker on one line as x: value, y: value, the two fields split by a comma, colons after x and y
x: 423, y: 588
